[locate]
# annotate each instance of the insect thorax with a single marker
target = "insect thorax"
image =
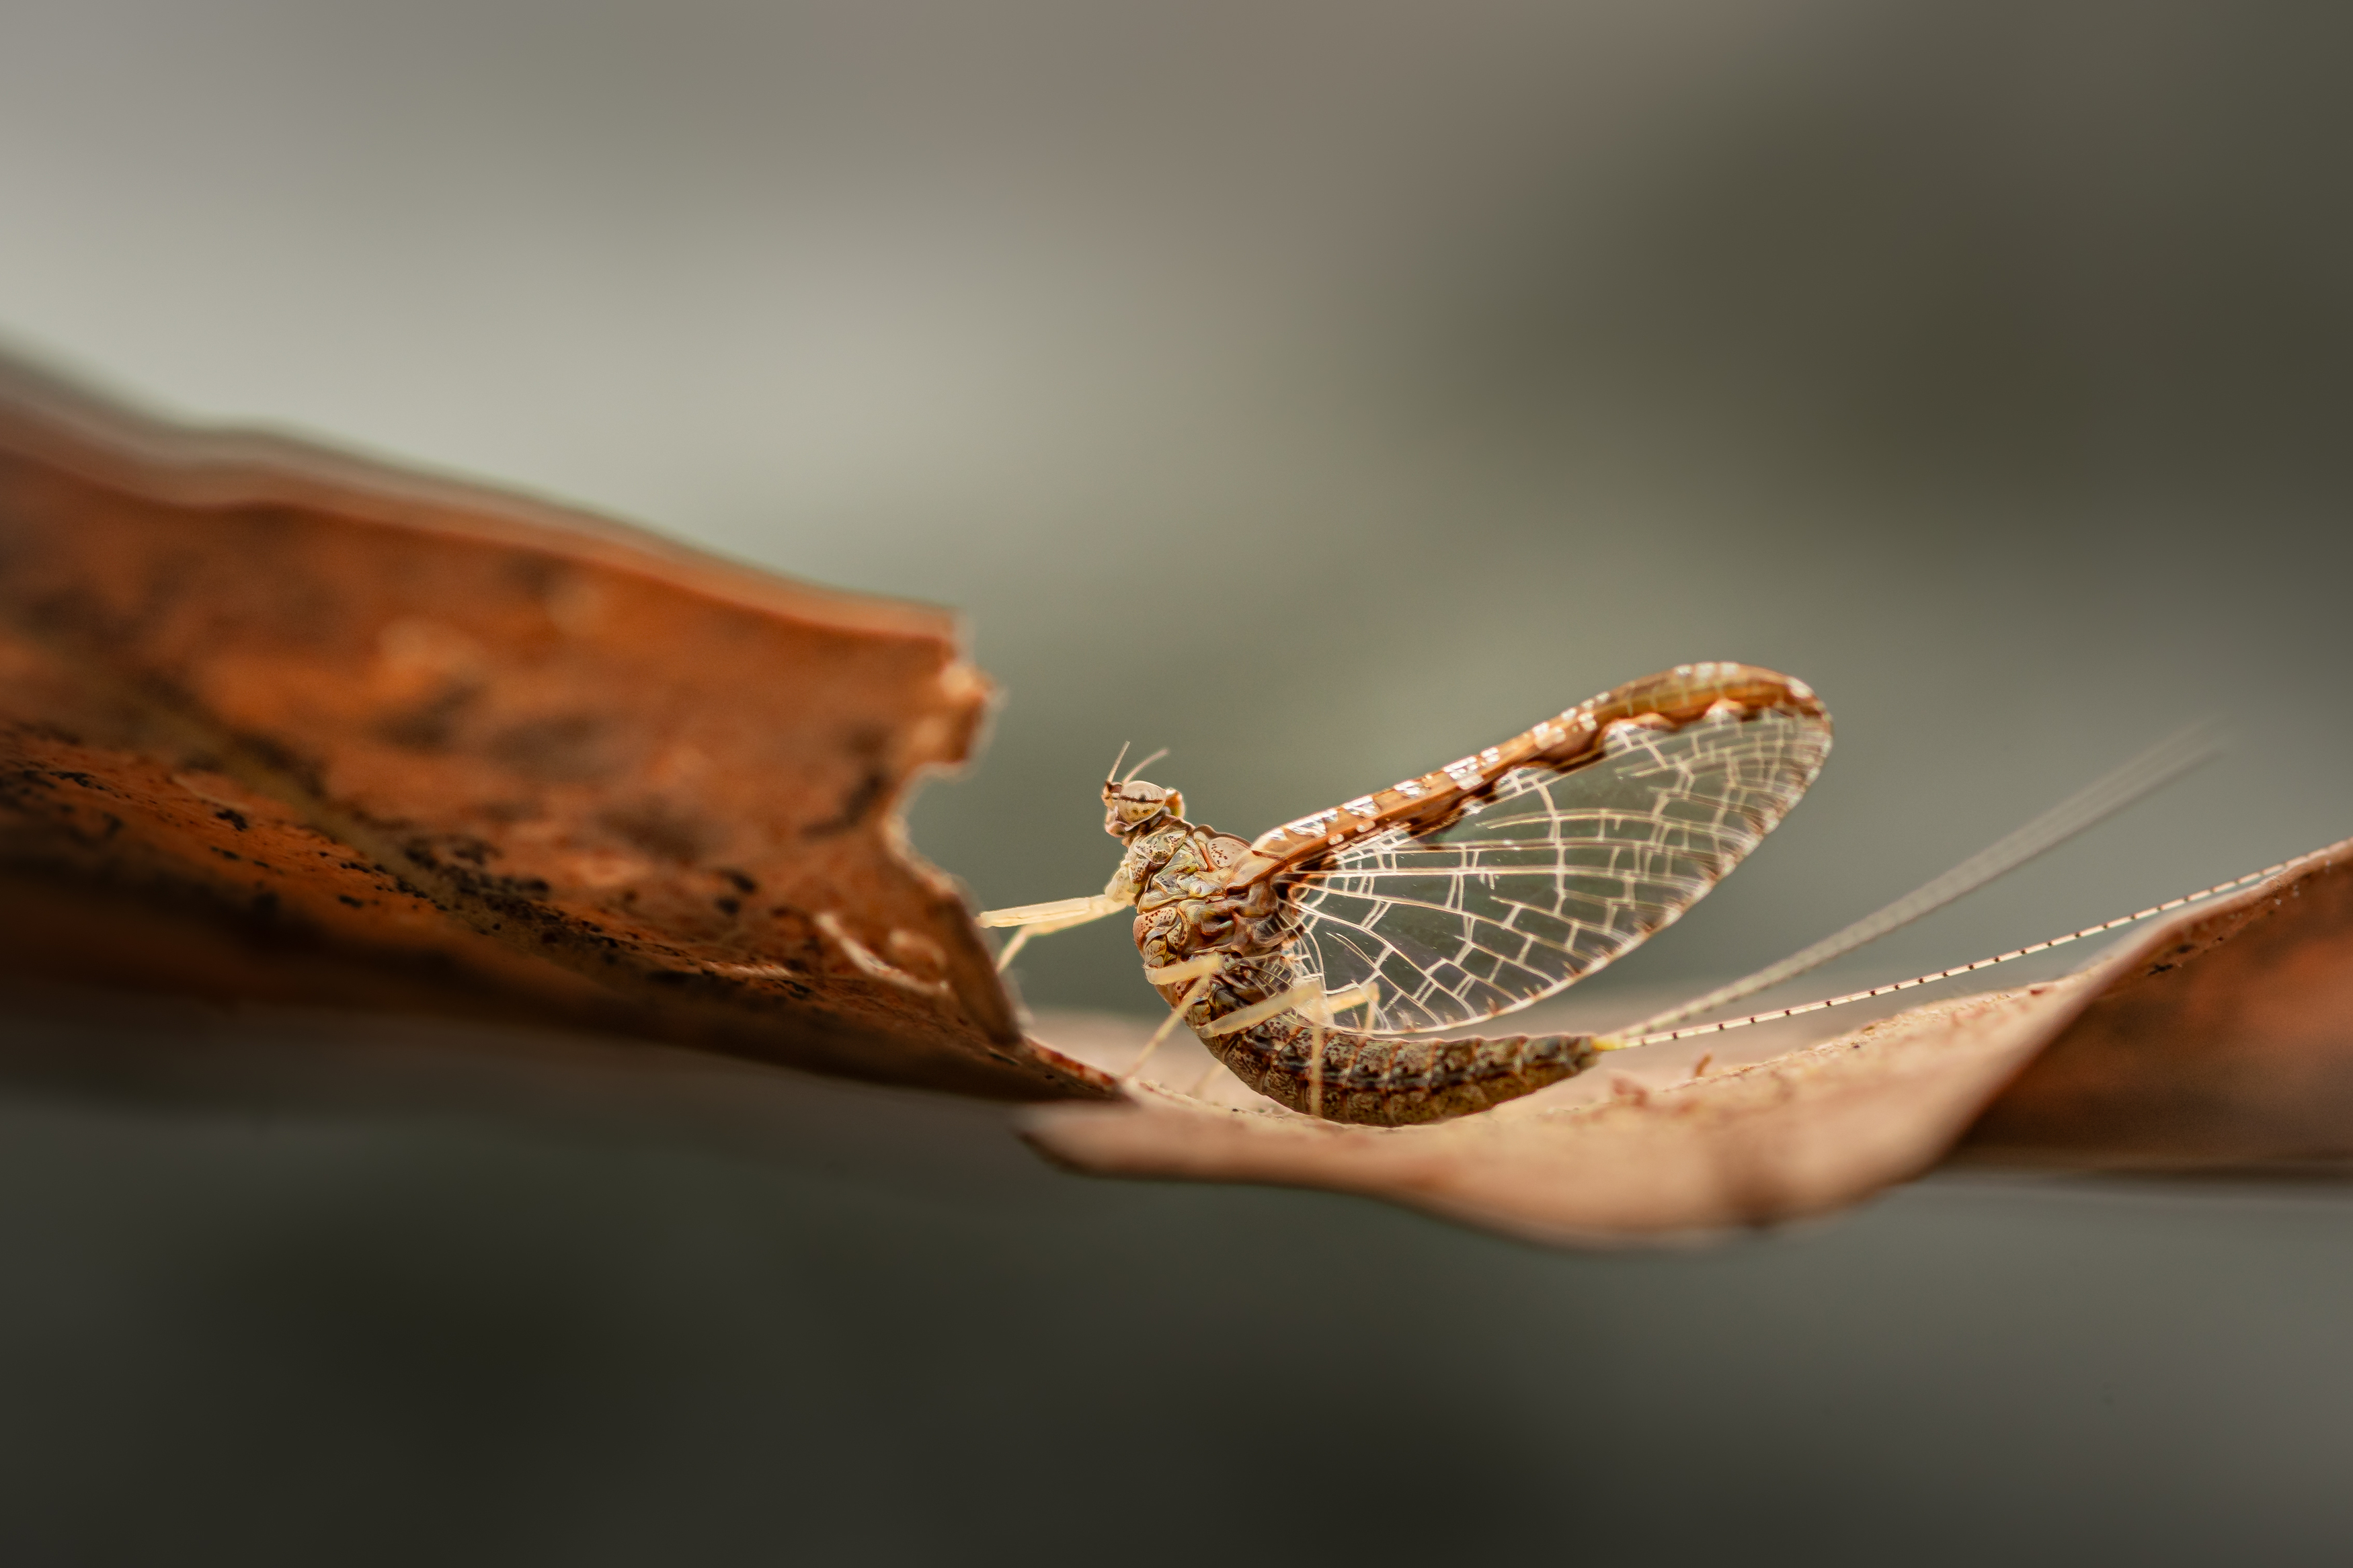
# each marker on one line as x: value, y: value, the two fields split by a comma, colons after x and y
x: 1183, y: 905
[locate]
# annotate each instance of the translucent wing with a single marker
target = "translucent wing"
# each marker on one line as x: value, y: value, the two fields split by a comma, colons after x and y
x: 1548, y: 872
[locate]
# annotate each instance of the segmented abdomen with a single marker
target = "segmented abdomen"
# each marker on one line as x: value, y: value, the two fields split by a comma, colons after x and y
x: 1379, y: 1080
x: 1372, y: 1080
x: 1385, y: 1081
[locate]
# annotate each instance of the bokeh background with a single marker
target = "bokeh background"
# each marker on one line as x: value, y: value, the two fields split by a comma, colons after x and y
x: 1319, y: 390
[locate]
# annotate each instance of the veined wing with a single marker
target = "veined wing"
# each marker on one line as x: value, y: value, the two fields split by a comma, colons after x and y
x: 1503, y: 878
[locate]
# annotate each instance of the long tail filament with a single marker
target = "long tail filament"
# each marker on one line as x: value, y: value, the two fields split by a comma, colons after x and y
x: 1635, y: 1035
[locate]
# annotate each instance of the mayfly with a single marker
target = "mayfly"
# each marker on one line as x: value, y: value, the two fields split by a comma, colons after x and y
x: 1319, y: 961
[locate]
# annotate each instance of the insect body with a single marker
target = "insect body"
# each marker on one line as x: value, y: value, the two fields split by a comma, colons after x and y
x: 1234, y: 975
x: 1454, y: 897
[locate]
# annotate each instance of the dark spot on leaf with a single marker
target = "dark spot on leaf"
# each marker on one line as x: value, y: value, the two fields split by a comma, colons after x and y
x: 729, y: 906
x: 234, y: 818
x: 532, y: 573
x: 564, y: 747
x: 347, y: 898
x: 862, y: 798
x: 272, y: 755
x: 660, y: 830
x: 743, y: 883
x: 427, y: 726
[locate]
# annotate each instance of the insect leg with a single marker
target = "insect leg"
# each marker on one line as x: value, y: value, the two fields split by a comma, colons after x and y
x: 1004, y: 959
x: 1040, y: 919
x: 1059, y: 915
x: 1321, y: 1015
x: 1311, y: 1002
x: 1200, y: 1089
x: 1200, y: 971
x: 1321, y: 1009
x: 1315, y: 1068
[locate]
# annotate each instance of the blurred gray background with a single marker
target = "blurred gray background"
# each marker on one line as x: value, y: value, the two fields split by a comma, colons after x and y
x: 1319, y: 390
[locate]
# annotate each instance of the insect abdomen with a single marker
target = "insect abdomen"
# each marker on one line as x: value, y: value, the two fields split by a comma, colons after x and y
x: 1384, y: 1081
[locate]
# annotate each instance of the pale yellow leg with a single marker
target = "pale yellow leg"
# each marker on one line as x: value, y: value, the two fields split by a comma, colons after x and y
x: 1059, y: 915
x: 1201, y: 971
x: 1315, y: 1069
x: 1322, y: 1014
x: 1318, y: 1006
x: 1041, y: 919
x: 1200, y: 1089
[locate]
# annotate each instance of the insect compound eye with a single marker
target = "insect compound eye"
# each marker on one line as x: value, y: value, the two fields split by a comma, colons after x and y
x: 1134, y: 804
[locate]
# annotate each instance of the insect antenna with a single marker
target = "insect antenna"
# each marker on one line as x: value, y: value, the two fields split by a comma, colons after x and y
x: 2161, y: 764
x: 1142, y: 766
x: 1630, y: 1038
x: 1112, y: 776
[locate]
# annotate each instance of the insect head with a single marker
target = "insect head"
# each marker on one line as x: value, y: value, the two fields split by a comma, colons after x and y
x: 1130, y: 805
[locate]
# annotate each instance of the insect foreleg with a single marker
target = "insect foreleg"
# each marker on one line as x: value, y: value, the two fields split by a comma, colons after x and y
x: 1041, y: 919
x: 1060, y: 915
x: 1020, y: 938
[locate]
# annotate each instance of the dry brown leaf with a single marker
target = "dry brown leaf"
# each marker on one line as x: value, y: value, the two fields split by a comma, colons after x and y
x: 280, y: 724
x: 2151, y: 1055
x: 276, y: 724
x: 2228, y: 1045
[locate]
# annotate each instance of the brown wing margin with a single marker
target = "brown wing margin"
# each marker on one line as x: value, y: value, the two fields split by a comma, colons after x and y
x: 1577, y: 737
